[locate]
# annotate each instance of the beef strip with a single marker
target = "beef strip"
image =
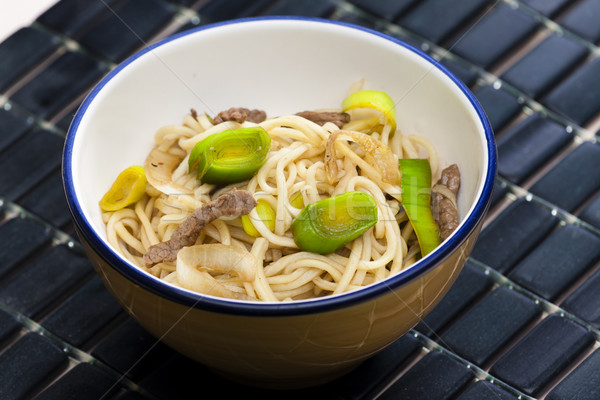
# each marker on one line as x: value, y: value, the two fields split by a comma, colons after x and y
x: 444, y: 211
x: 323, y: 117
x: 232, y: 204
x: 240, y: 114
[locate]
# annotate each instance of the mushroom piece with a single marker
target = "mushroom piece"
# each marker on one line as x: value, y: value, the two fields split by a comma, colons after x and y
x: 195, y: 263
x: 159, y: 167
x: 322, y: 117
x: 445, y: 209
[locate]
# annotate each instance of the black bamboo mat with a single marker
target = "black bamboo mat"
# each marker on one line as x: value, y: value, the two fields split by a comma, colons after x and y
x: 521, y: 322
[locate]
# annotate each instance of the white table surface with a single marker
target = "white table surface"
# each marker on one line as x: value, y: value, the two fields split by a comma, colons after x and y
x: 15, y: 14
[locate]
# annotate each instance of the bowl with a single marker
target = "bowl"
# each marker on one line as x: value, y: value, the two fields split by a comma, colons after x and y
x: 282, y: 65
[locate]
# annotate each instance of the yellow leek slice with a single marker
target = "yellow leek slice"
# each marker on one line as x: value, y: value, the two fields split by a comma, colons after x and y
x: 128, y: 188
x: 374, y: 99
x: 297, y: 201
x: 266, y: 215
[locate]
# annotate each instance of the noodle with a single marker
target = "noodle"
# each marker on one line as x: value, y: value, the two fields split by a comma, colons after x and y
x: 293, y: 165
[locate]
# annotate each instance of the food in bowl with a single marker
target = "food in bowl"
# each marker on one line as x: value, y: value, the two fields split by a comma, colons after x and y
x: 286, y: 208
x: 286, y: 65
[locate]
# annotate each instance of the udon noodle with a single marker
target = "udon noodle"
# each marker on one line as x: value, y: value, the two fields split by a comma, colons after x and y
x: 294, y: 166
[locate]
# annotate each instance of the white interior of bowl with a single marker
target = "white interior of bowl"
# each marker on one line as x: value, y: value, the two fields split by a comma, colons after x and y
x: 281, y: 66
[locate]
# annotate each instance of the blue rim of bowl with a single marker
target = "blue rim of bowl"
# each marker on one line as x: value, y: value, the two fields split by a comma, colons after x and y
x: 324, y: 304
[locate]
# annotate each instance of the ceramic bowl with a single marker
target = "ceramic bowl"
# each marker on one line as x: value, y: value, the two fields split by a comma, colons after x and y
x: 282, y: 65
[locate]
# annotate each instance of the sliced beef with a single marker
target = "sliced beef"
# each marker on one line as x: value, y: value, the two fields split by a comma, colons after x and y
x: 323, y: 117
x: 232, y: 204
x: 444, y: 209
x: 240, y: 114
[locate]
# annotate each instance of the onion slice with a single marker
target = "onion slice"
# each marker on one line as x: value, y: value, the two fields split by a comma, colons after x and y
x: 203, y: 282
x: 159, y: 167
x: 377, y: 154
x: 218, y: 258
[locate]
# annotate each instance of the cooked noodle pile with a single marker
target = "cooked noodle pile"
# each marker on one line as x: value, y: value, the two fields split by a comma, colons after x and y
x: 295, y: 164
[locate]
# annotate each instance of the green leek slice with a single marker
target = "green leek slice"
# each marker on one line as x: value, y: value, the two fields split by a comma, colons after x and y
x: 230, y: 156
x: 416, y: 200
x: 327, y: 225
